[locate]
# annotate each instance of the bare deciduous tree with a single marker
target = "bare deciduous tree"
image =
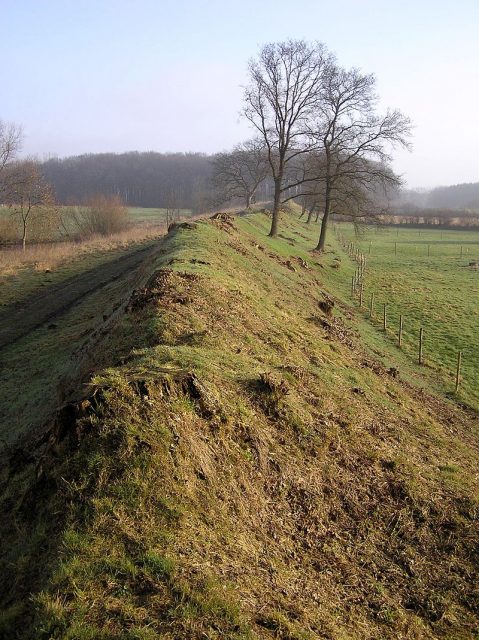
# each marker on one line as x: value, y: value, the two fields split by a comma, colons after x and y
x: 10, y: 143
x: 173, y: 209
x: 29, y: 198
x: 355, y: 143
x: 281, y: 98
x: 239, y: 173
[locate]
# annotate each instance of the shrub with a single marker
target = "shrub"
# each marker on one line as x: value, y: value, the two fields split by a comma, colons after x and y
x: 102, y: 215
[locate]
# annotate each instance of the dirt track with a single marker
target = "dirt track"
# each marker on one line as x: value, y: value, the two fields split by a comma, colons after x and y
x: 18, y: 320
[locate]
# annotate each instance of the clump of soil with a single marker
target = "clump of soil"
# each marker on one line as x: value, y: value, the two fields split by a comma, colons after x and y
x: 285, y: 263
x: 174, y: 226
x: 326, y: 306
x: 224, y: 221
x: 335, y: 329
x: 271, y: 391
x: 302, y: 263
x: 161, y: 286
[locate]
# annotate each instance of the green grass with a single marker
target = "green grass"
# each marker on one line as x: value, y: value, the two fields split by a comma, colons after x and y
x: 151, y: 215
x: 287, y: 488
x: 30, y: 278
x: 439, y: 292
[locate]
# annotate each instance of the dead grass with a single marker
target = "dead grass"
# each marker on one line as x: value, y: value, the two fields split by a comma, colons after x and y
x: 243, y: 472
x: 51, y: 255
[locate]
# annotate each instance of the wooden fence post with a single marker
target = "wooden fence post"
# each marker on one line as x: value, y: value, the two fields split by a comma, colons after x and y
x: 458, y: 369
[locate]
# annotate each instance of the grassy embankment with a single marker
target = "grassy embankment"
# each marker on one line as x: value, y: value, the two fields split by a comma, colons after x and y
x: 438, y: 292
x: 246, y: 468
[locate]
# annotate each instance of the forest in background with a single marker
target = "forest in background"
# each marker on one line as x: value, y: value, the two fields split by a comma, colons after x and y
x: 140, y: 179
x: 152, y: 179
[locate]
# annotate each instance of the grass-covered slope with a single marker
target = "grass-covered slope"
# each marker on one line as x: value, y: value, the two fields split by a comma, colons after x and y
x: 245, y: 469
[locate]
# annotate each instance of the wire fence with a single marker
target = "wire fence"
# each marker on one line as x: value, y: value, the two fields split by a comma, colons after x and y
x: 374, y: 313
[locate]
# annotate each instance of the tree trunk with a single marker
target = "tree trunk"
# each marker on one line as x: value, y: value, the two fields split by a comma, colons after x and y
x: 248, y: 200
x: 24, y: 237
x: 324, y: 225
x: 310, y: 214
x: 276, y: 205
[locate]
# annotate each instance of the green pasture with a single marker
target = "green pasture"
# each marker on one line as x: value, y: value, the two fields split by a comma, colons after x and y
x: 425, y: 276
x: 143, y: 215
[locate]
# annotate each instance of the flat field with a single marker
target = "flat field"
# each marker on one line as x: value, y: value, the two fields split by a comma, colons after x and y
x: 152, y: 216
x: 425, y: 276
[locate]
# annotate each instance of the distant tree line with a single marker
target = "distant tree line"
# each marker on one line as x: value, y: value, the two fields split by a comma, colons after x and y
x: 174, y: 181
x: 433, y: 216
x: 147, y: 179
x: 458, y: 196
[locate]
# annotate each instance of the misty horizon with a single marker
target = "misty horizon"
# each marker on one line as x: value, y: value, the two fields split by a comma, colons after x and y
x: 45, y: 158
x: 110, y: 78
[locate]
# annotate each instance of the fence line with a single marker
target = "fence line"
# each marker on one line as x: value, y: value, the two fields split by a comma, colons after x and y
x: 357, y: 290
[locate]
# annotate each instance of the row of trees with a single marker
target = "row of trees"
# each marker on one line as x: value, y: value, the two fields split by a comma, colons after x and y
x: 319, y: 131
x: 319, y: 138
x: 437, y: 217
x: 140, y: 179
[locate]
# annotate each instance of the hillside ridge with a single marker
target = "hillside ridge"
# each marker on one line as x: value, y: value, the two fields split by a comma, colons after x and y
x: 246, y: 467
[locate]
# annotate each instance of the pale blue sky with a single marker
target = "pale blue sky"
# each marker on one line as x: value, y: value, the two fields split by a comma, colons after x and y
x: 87, y: 76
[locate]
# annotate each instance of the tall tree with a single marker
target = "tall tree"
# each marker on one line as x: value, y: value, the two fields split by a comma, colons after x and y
x: 280, y: 100
x: 355, y: 142
x: 239, y: 173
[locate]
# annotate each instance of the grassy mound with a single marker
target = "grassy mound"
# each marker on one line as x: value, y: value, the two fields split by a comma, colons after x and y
x: 246, y: 468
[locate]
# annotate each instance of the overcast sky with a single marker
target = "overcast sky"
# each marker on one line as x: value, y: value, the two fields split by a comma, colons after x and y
x: 116, y: 75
